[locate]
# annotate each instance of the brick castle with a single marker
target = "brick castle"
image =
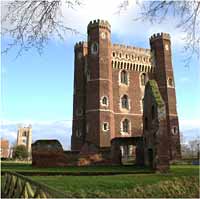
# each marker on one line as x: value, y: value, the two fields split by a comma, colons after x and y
x: 109, y: 83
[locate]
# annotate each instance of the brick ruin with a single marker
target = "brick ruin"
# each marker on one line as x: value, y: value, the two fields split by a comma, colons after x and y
x: 113, y: 93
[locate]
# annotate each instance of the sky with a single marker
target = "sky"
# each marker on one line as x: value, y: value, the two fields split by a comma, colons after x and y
x: 38, y: 89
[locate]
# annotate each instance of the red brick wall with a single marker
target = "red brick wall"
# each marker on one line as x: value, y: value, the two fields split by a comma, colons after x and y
x: 161, y: 45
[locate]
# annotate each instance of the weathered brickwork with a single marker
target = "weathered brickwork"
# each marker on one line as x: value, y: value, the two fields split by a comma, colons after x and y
x: 109, y: 83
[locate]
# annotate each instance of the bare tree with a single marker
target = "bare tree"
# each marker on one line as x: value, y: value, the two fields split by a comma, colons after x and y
x: 31, y: 23
x: 187, y: 14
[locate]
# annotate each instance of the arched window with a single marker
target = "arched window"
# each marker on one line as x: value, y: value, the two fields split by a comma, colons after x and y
x: 143, y: 79
x: 124, y: 77
x: 104, y: 101
x: 170, y: 82
x: 78, y: 132
x: 94, y: 48
x: 105, y: 126
x: 124, y: 102
x: 125, y: 126
x: 24, y: 133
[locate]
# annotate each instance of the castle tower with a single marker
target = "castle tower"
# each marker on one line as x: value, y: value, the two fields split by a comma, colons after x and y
x: 99, y: 102
x: 24, y: 137
x: 162, y: 58
x: 80, y: 72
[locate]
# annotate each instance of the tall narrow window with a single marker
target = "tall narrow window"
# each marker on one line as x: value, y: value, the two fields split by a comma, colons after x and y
x: 104, y: 101
x: 105, y: 126
x: 143, y: 79
x: 94, y: 48
x: 170, y: 82
x: 124, y: 77
x: 124, y: 102
x: 125, y: 126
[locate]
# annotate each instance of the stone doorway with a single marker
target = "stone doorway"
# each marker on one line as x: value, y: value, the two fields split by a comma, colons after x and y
x: 127, y: 150
x: 128, y: 154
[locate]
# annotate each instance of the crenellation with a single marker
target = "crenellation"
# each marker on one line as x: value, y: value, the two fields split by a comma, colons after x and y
x: 160, y: 36
x: 100, y: 23
x: 80, y: 44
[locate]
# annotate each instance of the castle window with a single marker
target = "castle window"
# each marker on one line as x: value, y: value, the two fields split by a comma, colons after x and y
x: 124, y: 102
x: 126, y: 56
x: 105, y: 126
x: 143, y: 79
x: 88, y: 75
x: 78, y: 132
x: 174, y: 130
x: 124, y: 77
x: 94, y: 48
x: 104, y: 101
x: 113, y: 54
x: 87, y: 128
x: 120, y: 55
x: 79, y: 112
x: 125, y: 126
x: 170, y: 82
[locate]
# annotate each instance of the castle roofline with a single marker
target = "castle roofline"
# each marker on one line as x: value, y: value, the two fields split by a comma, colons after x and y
x: 81, y: 44
x: 161, y: 35
x: 130, y: 48
x: 100, y: 23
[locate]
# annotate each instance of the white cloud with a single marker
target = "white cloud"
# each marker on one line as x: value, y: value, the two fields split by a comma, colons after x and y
x: 122, y: 25
x: 189, y: 124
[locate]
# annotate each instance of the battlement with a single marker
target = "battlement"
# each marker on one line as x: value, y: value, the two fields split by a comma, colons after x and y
x: 160, y: 36
x: 80, y: 44
x: 130, y: 48
x: 100, y: 23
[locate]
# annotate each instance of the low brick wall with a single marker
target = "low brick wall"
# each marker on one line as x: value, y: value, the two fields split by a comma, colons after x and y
x: 49, y: 153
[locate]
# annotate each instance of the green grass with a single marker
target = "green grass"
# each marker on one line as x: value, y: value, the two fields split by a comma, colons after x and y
x: 181, y: 181
x: 23, y: 167
x: 118, y: 185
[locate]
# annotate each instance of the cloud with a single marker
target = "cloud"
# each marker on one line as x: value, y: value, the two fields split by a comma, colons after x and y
x: 189, y: 124
x: 123, y: 25
x: 60, y: 130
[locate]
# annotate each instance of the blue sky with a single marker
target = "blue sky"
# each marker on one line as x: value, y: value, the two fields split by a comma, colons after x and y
x: 39, y: 89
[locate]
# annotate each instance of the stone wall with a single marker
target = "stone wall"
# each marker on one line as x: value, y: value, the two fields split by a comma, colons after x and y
x: 49, y: 153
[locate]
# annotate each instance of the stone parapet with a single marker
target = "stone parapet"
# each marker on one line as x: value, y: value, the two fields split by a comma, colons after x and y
x: 100, y: 23
x: 160, y: 36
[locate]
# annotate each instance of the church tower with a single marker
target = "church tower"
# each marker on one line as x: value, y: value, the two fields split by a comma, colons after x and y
x: 162, y: 58
x: 24, y: 137
x: 99, y: 101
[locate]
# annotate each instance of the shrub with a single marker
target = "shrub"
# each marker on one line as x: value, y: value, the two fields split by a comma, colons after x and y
x: 20, y: 152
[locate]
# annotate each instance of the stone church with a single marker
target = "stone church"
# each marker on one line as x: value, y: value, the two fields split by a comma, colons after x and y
x: 109, y: 86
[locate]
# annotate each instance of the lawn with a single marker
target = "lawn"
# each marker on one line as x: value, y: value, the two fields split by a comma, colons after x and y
x: 124, y: 185
x: 24, y: 167
x: 181, y: 181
